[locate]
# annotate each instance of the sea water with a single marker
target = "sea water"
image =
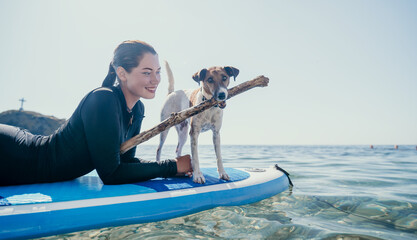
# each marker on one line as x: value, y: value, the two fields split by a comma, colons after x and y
x: 340, y: 192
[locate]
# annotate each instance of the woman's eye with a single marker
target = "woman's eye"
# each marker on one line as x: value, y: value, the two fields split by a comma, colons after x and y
x: 147, y: 73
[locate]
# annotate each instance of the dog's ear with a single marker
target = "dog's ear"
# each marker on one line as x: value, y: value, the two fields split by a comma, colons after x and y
x: 199, y: 76
x: 232, y: 72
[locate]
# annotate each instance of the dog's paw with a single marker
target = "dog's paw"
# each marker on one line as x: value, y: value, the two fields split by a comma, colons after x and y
x: 198, y: 178
x: 224, y: 176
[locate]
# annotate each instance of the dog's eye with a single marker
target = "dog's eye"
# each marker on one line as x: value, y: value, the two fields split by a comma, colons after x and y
x: 224, y: 78
x: 210, y: 80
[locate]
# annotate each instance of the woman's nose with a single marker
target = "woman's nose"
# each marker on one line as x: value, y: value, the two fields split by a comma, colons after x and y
x: 155, y: 78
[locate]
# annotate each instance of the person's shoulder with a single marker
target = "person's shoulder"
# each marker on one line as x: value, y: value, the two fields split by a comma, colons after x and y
x: 102, y: 89
x: 102, y: 95
x: 98, y: 102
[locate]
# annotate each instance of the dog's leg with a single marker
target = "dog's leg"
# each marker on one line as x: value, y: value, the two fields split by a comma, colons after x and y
x: 216, y: 142
x: 162, y: 138
x: 197, y: 174
x: 182, y: 130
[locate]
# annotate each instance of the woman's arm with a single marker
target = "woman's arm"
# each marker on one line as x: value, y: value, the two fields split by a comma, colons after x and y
x: 101, y: 116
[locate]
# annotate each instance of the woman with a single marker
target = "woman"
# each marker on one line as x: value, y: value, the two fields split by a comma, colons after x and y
x: 91, y: 138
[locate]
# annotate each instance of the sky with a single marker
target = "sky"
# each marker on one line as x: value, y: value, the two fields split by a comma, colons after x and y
x: 341, y: 72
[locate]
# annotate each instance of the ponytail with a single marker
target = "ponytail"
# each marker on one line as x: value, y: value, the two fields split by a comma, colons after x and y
x: 110, y: 78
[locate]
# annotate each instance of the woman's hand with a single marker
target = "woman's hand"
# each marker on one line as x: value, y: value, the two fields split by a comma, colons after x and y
x: 184, y: 166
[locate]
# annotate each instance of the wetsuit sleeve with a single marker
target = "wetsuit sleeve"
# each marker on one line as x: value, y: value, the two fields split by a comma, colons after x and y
x: 102, y: 126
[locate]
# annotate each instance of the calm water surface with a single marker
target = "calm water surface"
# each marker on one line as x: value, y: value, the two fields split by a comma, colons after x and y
x: 340, y: 192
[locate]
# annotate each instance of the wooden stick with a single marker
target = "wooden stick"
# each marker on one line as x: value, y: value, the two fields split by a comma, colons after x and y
x: 178, y: 117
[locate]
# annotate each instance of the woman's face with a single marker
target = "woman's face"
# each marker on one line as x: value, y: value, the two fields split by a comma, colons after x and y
x: 143, y: 80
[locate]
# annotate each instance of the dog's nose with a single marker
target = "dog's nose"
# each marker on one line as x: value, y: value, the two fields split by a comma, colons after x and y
x: 221, y: 96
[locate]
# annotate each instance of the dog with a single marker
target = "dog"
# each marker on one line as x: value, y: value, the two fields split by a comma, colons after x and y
x: 213, y: 84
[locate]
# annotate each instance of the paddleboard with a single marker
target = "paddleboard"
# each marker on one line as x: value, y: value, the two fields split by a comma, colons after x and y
x: 37, y: 210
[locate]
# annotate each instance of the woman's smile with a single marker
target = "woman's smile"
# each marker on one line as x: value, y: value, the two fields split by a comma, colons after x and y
x: 151, y: 89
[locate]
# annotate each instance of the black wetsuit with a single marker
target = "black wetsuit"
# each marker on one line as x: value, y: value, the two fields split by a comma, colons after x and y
x: 89, y: 140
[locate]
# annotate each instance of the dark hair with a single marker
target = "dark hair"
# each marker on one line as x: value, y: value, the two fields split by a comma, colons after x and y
x: 127, y: 55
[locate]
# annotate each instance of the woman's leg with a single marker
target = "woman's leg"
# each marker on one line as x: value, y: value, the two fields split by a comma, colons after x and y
x: 17, y: 165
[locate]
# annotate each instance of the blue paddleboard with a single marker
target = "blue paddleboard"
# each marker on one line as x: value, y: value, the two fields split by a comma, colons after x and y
x: 37, y: 210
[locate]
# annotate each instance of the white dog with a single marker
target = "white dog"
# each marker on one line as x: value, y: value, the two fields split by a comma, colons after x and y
x: 213, y: 83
